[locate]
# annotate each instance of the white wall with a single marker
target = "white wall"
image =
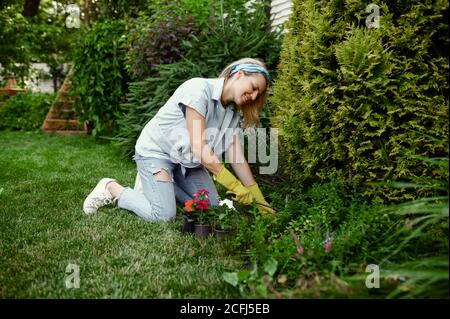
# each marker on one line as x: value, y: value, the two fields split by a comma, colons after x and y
x: 39, y: 85
x: 280, y: 11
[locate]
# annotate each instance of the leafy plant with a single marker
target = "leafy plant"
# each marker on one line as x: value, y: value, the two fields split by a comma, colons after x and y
x: 157, y: 39
x: 99, y: 80
x: 102, y: 10
x: 224, y: 214
x: 15, y: 36
x: 42, y: 38
x: 253, y: 282
x: 25, y: 111
x: 427, y: 276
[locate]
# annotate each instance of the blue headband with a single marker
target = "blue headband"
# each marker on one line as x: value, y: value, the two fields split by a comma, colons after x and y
x: 250, y: 68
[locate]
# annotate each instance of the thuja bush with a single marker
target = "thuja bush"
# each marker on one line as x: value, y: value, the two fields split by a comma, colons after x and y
x: 231, y: 33
x: 99, y: 80
x: 363, y: 102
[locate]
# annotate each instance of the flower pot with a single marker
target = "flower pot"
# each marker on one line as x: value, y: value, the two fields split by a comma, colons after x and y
x: 202, y: 230
x: 221, y: 233
x: 188, y: 226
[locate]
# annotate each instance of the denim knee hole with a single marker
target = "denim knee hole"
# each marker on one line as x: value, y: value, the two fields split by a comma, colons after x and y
x: 159, y: 171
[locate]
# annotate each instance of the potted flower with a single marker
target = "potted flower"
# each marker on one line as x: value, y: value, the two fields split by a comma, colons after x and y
x: 197, y: 210
x: 188, y: 217
x: 223, y: 217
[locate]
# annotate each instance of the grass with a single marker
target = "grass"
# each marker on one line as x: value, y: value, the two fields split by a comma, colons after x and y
x: 43, y: 182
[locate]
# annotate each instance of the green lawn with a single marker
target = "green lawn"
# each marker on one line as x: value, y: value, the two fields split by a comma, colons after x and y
x: 43, y: 182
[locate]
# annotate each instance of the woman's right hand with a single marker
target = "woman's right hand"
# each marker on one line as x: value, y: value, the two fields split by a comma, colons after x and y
x: 264, y: 207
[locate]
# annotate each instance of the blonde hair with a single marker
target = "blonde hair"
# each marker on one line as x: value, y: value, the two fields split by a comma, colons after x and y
x: 251, y: 111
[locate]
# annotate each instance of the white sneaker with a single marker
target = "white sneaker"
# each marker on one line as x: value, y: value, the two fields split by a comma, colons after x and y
x: 99, y: 197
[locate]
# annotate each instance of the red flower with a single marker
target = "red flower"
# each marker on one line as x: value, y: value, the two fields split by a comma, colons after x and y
x: 201, y: 204
x: 197, y: 208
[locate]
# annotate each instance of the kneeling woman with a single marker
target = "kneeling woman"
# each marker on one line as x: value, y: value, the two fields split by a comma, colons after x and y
x: 173, y: 154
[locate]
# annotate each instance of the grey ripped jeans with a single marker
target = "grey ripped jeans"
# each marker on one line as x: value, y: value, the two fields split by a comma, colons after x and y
x: 158, y: 199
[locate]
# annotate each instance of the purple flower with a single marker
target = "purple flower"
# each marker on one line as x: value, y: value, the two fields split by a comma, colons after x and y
x: 300, y: 250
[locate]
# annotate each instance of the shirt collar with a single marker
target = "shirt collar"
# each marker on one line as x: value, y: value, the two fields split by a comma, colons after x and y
x: 217, y: 92
x: 217, y: 88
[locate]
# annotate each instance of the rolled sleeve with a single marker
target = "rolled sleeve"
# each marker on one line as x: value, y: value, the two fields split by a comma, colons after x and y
x: 193, y: 93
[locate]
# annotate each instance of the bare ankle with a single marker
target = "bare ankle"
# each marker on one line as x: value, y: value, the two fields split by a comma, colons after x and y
x: 114, y: 188
x: 109, y: 186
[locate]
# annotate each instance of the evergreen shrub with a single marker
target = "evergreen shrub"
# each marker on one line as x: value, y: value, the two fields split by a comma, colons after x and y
x: 363, y: 102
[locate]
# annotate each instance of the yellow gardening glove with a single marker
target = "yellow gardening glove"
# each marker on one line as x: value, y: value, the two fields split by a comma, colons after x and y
x: 226, y: 179
x: 257, y: 194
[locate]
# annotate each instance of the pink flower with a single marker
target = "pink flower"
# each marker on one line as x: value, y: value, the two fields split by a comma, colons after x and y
x: 201, y: 194
x: 328, y: 245
x: 297, y: 242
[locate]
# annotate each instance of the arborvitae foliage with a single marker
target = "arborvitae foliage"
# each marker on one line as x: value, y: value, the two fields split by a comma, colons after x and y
x: 363, y: 103
x: 233, y: 32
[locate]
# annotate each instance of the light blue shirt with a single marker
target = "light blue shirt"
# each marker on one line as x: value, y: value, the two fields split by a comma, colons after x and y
x: 166, y: 135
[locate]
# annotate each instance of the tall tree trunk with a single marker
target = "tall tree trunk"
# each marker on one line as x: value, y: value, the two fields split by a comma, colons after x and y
x: 31, y: 8
x: 268, y: 6
x: 55, y: 83
x: 86, y: 11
